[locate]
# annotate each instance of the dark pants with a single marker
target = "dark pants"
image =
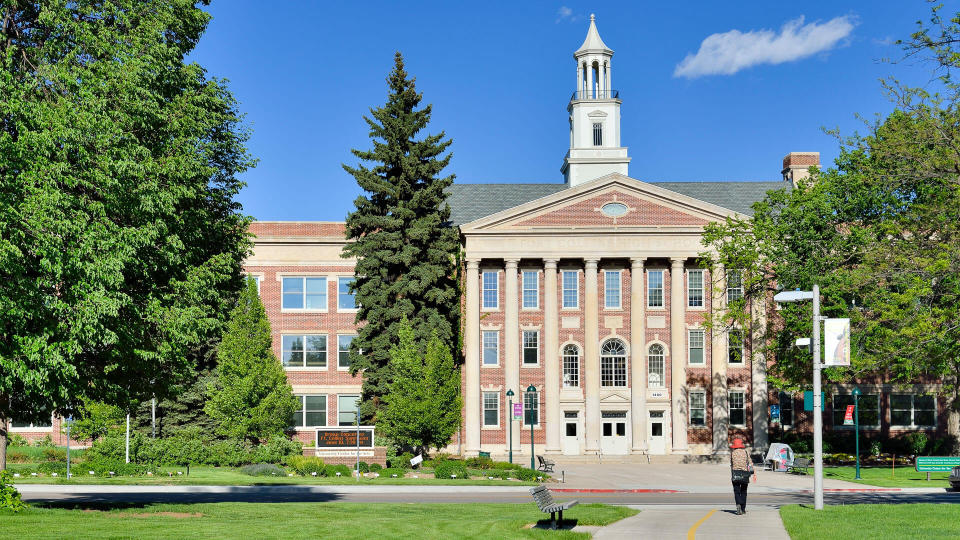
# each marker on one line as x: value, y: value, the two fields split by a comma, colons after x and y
x: 740, y: 493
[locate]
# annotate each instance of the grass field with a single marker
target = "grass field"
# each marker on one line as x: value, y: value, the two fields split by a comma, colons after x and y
x: 872, y: 521
x: 300, y: 520
x: 884, y: 477
x: 228, y: 476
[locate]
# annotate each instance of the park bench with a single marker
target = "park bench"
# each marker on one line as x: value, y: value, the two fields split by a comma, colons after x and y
x: 800, y: 465
x: 546, y: 465
x: 954, y: 478
x: 545, y: 502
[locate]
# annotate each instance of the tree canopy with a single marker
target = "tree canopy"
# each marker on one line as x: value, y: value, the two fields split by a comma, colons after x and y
x: 121, y: 244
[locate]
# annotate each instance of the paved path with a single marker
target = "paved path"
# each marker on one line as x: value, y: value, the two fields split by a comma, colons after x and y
x: 701, y: 521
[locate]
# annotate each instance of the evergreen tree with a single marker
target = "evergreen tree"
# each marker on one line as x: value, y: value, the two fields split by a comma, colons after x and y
x: 422, y: 408
x: 401, y: 237
x: 250, y: 397
x: 121, y: 244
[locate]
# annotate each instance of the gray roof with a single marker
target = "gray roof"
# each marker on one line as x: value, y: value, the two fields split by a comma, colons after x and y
x: 469, y: 202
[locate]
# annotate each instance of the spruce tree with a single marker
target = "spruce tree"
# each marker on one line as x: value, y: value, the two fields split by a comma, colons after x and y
x: 401, y: 237
x: 251, y: 397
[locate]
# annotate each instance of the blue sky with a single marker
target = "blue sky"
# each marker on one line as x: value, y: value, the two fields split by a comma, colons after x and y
x: 499, y: 75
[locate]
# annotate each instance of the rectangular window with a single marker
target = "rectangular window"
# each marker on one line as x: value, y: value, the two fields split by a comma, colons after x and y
x: 598, y: 133
x: 786, y: 409
x: 571, y: 288
x: 345, y: 298
x: 531, y: 409
x: 305, y: 350
x: 611, y: 289
x: 491, y: 408
x: 531, y: 347
x: 696, y: 347
x: 698, y: 408
x: 311, y: 411
x: 305, y: 293
x: 531, y: 289
x: 734, y: 286
x: 27, y: 424
x: 655, y: 288
x: 257, y: 280
x: 868, y: 409
x: 571, y: 366
x: 347, y: 406
x: 695, y: 288
x: 910, y: 410
x: 738, y: 414
x: 613, y: 370
x: 735, y: 346
x: 491, y: 347
x: 491, y: 296
x: 343, y: 351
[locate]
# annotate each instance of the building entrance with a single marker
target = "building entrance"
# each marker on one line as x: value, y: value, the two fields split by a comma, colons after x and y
x: 614, y: 434
x: 572, y: 434
x: 656, y: 440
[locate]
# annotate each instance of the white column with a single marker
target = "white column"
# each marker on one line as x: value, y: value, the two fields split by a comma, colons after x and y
x: 511, y: 338
x: 638, y: 375
x: 758, y: 378
x: 472, y: 364
x: 551, y: 355
x: 678, y: 355
x: 579, y: 80
x: 591, y: 354
x: 718, y: 360
x: 590, y: 78
x: 606, y: 84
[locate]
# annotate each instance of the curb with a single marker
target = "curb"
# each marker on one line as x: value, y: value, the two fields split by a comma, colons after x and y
x: 588, y: 490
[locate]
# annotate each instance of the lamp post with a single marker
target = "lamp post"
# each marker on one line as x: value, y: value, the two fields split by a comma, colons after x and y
x: 532, y: 390
x: 69, y: 423
x: 510, y: 421
x: 801, y: 296
x: 856, y: 421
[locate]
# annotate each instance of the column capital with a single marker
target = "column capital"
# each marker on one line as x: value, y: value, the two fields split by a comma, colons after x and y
x: 637, y: 261
x: 550, y: 263
x: 473, y: 264
x: 677, y: 262
x: 591, y: 263
x: 512, y: 263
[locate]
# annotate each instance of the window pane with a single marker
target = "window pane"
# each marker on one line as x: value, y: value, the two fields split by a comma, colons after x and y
x: 316, y: 353
x: 343, y: 350
x: 292, y: 293
x: 900, y: 418
x: 655, y: 374
x: 925, y: 418
x: 923, y: 402
x: 737, y: 411
x: 345, y: 299
x: 316, y: 410
x: 607, y: 429
x: 695, y: 288
x: 901, y: 401
x: 530, y: 346
x: 570, y: 289
x: 786, y: 409
x: 735, y: 347
x: 696, y: 347
x: 734, y: 286
x: 611, y: 282
x: 316, y: 293
x: 490, y: 290
x: 655, y: 288
x: 347, y: 409
x: 491, y: 408
x: 530, y: 289
x: 293, y: 350
x: 490, y: 347
x: 530, y: 408
x: 571, y: 366
x: 840, y: 403
x: 297, y: 419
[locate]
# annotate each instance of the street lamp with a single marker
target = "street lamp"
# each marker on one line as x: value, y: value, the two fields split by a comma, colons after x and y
x: 510, y: 421
x: 801, y: 296
x: 856, y: 420
x: 532, y: 391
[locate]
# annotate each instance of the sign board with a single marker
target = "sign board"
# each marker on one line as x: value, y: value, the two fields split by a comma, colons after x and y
x: 418, y: 459
x: 808, y: 400
x: 848, y: 416
x: 937, y: 463
x: 836, y: 342
x: 345, y: 437
x: 517, y: 411
x: 774, y: 412
x: 656, y: 394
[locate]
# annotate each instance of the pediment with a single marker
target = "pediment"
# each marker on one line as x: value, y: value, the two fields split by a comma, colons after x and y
x: 597, y: 114
x: 615, y: 397
x: 638, y: 205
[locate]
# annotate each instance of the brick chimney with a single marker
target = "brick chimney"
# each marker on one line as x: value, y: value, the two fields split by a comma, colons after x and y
x: 796, y: 166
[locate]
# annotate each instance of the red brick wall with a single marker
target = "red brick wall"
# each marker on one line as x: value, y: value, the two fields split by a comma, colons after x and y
x: 587, y: 212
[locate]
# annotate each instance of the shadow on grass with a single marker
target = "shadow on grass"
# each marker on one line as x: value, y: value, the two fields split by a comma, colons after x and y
x: 547, y: 524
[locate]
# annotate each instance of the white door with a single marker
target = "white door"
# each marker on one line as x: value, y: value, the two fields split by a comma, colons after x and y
x: 656, y: 440
x: 614, y: 432
x: 572, y: 434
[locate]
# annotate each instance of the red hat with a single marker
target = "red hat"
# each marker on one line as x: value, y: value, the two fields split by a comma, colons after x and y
x: 737, y: 443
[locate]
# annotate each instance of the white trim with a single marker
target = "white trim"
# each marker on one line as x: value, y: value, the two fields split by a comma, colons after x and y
x: 326, y: 293
x: 576, y: 290
x: 703, y: 289
x: 742, y: 391
x: 703, y: 347
x: 303, y: 411
x: 523, y: 362
x: 304, y: 367
x: 483, y: 362
x: 483, y: 306
x: 337, y: 422
x: 690, y: 392
x: 743, y: 343
x: 345, y: 310
x: 913, y: 412
x: 833, y: 411
x: 340, y: 335
x: 619, y: 305
x: 483, y: 410
x: 663, y: 289
x: 536, y: 288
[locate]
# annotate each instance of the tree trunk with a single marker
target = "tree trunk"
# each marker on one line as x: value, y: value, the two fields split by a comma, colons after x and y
x: 3, y: 441
x: 953, y: 422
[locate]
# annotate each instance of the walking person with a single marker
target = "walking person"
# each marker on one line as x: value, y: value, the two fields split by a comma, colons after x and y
x: 740, y: 470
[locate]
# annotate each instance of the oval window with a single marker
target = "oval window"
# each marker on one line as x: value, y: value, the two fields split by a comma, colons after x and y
x: 614, y: 209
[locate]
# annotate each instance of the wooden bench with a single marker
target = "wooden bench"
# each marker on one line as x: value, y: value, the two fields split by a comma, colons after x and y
x: 545, y: 502
x: 546, y: 465
x: 800, y: 465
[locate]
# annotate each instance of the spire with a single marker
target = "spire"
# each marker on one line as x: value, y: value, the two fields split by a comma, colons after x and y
x: 593, y: 43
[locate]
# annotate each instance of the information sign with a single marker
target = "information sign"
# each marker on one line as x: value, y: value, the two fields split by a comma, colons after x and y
x: 937, y: 463
x: 836, y: 342
x: 774, y: 413
x: 848, y: 416
x: 344, y: 438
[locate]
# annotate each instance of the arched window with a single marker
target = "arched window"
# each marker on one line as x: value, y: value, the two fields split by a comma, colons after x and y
x: 571, y: 366
x: 613, y: 363
x: 655, y: 378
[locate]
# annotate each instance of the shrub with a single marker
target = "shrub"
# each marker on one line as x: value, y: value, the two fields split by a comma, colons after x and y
x: 276, y: 450
x: 104, y: 466
x: 506, y: 466
x: 448, y: 468
x: 917, y: 442
x: 306, y: 466
x: 389, y: 472
x: 943, y: 446
x: 375, y: 467
x: 529, y: 475
x: 9, y: 496
x: 876, y: 447
x: 262, y: 469
x: 49, y: 467
x: 17, y: 456
x: 16, y: 439
x: 332, y: 470
x: 401, y: 462
x: 54, y: 454
x: 228, y: 453
x: 45, y: 442
x: 482, y: 463
x: 363, y: 466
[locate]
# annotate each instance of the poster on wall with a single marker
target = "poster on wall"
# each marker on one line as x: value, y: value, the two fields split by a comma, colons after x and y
x: 836, y: 342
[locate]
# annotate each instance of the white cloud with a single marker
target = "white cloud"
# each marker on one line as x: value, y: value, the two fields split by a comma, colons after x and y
x: 565, y: 14
x: 730, y: 52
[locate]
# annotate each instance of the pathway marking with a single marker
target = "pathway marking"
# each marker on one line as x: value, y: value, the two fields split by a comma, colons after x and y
x: 691, y: 534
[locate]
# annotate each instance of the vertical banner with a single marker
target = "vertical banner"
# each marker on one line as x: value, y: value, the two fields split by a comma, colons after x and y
x: 836, y: 342
x: 848, y: 416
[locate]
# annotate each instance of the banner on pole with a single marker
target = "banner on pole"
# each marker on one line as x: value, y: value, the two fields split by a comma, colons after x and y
x: 848, y: 416
x: 517, y: 411
x: 837, y: 342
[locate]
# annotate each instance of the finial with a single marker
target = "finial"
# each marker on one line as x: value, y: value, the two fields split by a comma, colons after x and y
x: 592, y: 17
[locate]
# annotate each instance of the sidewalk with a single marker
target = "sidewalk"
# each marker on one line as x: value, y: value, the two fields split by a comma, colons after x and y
x: 697, y: 522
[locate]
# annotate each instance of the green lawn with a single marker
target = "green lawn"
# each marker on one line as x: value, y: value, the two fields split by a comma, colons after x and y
x: 300, y: 520
x: 883, y: 477
x: 228, y: 476
x: 872, y: 521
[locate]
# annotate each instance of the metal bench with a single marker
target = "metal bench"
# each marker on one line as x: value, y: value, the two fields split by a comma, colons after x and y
x: 800, y: 465
x: 545, y: 502
x: 954, y: 478
x: 546, y: 465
